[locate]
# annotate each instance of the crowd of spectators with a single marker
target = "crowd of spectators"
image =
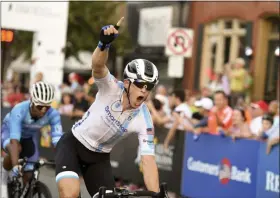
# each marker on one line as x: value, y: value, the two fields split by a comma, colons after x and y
x: 221, y: 108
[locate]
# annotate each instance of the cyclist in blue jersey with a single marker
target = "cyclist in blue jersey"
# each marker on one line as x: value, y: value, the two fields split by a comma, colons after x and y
x: 118, y: 110
x: 20, y: 128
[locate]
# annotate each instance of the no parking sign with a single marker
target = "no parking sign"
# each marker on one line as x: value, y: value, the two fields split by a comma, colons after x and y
x: 179, y: 42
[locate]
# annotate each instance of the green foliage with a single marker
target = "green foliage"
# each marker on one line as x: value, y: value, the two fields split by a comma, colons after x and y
x: 85, y: 21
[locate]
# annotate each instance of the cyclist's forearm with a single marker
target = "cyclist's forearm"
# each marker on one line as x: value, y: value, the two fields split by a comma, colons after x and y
x: 13, y: 150
x: 150, y: 174
x: 99, y: 59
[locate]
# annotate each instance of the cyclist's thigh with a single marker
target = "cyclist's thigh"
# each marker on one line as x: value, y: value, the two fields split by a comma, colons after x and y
x: 30, y: 150
x: 67, y: 166
x: 97, y: 175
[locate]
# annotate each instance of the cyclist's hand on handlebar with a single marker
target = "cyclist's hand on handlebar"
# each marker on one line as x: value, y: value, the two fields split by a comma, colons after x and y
x: 16, y: 171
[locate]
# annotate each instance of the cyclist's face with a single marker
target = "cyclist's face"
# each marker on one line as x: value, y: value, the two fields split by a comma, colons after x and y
x: 39, y: 111
x: 137, y: 95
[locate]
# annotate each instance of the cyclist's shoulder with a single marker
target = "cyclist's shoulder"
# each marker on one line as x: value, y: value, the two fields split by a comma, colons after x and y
x: 144, y: 117
x: 111, y: 79
x: 53, y: 113
x: 22, y: 106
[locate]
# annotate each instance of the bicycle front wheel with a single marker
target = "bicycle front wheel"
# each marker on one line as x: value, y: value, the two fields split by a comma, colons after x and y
x: 41, y: 191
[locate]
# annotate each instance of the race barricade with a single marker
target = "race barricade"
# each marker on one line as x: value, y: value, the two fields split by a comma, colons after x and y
x: 268, y: 182
x: 216, y: 166
x: 125, y: 159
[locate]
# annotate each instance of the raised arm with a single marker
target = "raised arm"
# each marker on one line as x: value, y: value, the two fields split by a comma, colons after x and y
x: 100, y: 54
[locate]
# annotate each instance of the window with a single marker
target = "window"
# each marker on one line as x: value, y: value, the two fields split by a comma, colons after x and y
x: 223, y: 42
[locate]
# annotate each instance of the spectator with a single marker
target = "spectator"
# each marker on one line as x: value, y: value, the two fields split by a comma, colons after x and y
x: 239, y: 128
x: 14, y: 96
x: 66, y: 107
x: 39, y: 76
x: 258, y: 109
x: 191, y: 103
x: 269, y: 131
x: 80, y: 103
x: 220, y: 115
x: 181, y: 114
x: 248, y: 85
x: 158, y: 115
x: 206, y: 92
x: 204, y: 106
x: 242, y: 105
x: 237, y: 81
x: 267, y: 123
x: 74, y: 80
x: 162, y: 92
x: 216, y: 84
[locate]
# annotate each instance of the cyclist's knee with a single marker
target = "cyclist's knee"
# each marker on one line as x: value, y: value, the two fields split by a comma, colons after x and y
x: 69, y: 188
x: 7, y: 163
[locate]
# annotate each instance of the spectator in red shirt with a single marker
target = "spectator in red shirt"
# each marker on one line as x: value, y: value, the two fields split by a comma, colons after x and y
x: 14, y: 96
x: 220, y: 118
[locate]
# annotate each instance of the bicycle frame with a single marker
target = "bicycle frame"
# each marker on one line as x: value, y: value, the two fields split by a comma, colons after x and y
x: 27, y: 191
x: 32, y: 183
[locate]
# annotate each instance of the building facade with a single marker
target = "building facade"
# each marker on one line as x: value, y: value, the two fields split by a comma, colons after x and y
x: 223, y: 31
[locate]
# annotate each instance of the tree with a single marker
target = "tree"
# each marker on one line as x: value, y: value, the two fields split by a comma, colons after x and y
x: 85, y: 20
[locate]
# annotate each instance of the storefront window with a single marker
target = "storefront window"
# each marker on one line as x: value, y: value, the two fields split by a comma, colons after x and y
x: 224, y: 41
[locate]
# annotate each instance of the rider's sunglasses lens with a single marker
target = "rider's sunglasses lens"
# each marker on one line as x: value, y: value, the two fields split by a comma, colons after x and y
x: 39, y: 107
x: 141, y: 85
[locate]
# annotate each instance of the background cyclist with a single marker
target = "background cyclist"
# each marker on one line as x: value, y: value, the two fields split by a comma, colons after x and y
x: 21, y: 127
x: 118, y: 110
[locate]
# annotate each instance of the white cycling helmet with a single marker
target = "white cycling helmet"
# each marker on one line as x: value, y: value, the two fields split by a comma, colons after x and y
x: 141, y: 69
x: 42, y: 93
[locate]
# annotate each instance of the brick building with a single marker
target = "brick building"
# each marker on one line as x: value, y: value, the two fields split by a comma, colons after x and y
x: 222, y: 32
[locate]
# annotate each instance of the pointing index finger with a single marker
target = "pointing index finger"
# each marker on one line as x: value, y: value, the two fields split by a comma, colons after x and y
x: 120, y: 22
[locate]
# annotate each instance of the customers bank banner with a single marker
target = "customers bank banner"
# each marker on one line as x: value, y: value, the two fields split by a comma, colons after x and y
x: 217, y: 166
x: 268, y: 182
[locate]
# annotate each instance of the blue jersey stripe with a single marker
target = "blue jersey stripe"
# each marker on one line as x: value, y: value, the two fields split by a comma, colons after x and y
x: 147, y: 116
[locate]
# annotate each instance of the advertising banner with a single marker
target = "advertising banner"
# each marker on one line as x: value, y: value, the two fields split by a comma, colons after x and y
x: 268, y: 173
x: 217, y: 166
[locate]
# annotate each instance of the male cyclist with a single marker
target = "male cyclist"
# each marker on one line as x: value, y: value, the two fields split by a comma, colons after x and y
x: 119, y: 109
x: 21, y: 127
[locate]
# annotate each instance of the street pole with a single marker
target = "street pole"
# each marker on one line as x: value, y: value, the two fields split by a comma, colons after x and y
x: 178, y: 81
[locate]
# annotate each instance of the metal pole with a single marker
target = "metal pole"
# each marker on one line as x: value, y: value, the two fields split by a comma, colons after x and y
x: 178, y: 81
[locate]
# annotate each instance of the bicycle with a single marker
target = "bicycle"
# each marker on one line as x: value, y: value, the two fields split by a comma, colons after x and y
x: 123, y: 193
x: 34, y: 188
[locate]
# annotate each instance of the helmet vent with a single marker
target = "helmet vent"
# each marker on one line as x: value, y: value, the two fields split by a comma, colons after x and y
x: 149, y: 70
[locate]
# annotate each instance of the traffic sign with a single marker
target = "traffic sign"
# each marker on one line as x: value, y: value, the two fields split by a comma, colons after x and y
x: 179, y: 42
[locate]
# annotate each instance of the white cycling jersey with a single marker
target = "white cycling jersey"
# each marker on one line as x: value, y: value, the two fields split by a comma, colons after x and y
x: 104, y: 124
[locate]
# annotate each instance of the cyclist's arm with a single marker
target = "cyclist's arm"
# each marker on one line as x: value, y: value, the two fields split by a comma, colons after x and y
x: 15, y: 124
x: 56, y: 128
x: 99, y: 59
x: 147, y: 151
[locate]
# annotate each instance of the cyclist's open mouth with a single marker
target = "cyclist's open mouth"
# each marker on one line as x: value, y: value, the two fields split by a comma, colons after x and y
x: 140, y: 98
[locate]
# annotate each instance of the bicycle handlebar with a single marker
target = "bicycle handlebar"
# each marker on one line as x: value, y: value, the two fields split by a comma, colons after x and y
x: 119, y: 193
x: 39, y: 162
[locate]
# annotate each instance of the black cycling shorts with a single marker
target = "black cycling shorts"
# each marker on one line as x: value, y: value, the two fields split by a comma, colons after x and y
x: 72, y: 157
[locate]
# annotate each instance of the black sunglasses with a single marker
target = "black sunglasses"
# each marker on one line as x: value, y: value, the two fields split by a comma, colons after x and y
x: 40, y: 107
x: 141, y: 85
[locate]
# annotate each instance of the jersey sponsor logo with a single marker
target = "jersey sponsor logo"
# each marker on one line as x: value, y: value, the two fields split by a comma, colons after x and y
x: 82, y: 120
x: 114, y: 120
x: 149, y: 141
x: 225, y: 171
